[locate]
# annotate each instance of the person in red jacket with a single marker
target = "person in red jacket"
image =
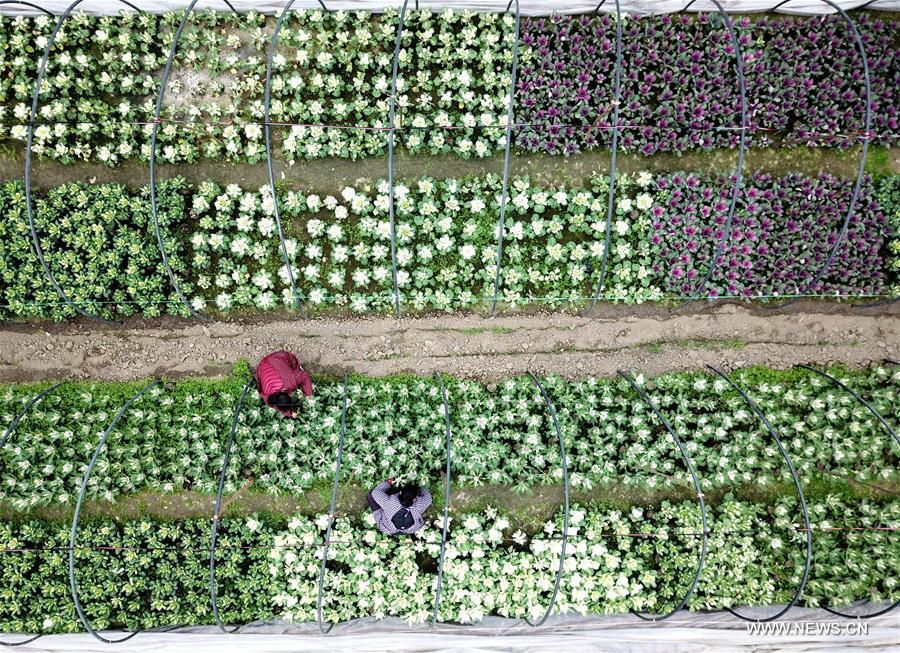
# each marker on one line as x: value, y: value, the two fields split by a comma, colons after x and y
x: 278, y: 376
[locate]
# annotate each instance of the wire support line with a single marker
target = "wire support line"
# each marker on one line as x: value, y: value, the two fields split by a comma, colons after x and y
x: 331, y: 515
x: 861, y: 171
x: 834, y: 380
x: 528, y: 298
x: 267, y: 103
x: 611, y: 199
x: 73, y: 536
x: 29, y: 141
x: 443, y: 550
x: 510, y: 119
x: 217, y: 511
x: 797, y: 485
x: 665, y: 535
x: 701, y: 562
x: 837, y: 382
x: 871, y: 135
x: 390, y: 155
x: 18, y: 418
x: 566, y: 490
x: 714, y: 263
x: 154, y: 203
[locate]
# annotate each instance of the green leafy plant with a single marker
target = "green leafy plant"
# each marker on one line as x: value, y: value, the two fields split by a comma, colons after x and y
x: 174, y: 438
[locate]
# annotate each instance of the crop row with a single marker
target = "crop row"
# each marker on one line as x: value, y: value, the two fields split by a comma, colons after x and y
x: 101, y: 247
x: 174, y: 437
x: 156, y: 573
x: 679, y: 85
x: 679, y: 88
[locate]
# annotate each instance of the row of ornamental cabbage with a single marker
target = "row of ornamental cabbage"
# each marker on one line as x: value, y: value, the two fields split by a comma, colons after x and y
x: 679, y: 86
x: 174, y: 437
x: 679, y: 89
x: 158, y: 573
x: 101, y: 246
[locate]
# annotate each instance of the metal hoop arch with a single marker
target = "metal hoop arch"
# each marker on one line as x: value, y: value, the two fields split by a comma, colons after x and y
x: 390, y: 157
x: 267, y: 102
x: 506, y: 153
x: 18, y: 418
x: 742, y: 153
x: 153, y: 134
x: 33, y: 638
x: 73, y: 584
x: 35, y: 241
x: 8, y: 433
x: 803, y: 506
x: 858, y: 397
x: 337, y: 478
x: 437, y: 595
x: 565, y: 533
x: 25, y: 3
x: 842, y: 234
x: 215, y: 518
x: 703, y: 511
x: 893, y: 433
x: 610, y: 205
x: 887, y: 302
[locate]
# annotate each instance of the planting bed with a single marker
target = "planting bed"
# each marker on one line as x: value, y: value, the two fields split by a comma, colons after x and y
x: 636, y: 429
x: 223, y: 246
x: 500, y: 436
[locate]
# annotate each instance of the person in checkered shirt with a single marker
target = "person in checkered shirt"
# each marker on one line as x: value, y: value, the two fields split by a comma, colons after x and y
x: 398, y: 509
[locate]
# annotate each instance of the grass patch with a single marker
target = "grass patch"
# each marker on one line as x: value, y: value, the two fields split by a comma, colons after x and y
x: 527, y: 512
x: 696, y: 343
x: 474, y: 331
x: 878, y: 161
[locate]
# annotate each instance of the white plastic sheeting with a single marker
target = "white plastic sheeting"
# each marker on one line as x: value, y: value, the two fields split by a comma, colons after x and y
x: 814, y: 630
x: 526, y: 7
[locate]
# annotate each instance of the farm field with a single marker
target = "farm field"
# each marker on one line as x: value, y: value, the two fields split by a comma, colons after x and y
x: 619, y: 292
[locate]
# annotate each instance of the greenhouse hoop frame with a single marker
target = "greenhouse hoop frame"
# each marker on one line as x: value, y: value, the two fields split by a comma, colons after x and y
x: 697, y: 487
x: 551, y: 408
x: 803, y: 506
x: 77, y: 306
x: 73, y: 584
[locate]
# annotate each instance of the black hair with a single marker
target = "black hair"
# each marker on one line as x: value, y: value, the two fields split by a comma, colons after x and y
x: 408, y: 494
x: 283, y: 401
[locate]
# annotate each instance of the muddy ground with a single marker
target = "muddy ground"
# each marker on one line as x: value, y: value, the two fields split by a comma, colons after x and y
x: 653, y: 340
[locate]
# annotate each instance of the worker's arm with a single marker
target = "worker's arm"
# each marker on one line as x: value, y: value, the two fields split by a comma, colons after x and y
x: 304, y: 382
x: 422, y: 501
x: 379, y: 493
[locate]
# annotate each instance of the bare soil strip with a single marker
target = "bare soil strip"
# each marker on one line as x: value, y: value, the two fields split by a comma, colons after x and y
x: 645, y: 339
x: 330, y: 175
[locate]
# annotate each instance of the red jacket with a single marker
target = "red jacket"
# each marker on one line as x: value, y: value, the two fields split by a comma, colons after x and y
x: 281, y: 372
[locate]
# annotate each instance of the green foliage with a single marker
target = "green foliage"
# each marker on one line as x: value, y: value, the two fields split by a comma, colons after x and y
x: 173, y: 438
x: 222, y: 244
x: 330, y: 68
x: 270, y: 567
x: 163, y: 580
x: 887, y: 195
x: 100, y: 245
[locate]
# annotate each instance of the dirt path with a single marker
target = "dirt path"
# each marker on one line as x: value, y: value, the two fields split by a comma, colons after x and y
x: 332, y: 175
x: 526, y: 511
x: 484, y: 348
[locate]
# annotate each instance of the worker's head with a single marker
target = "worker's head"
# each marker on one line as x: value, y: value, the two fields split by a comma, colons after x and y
x: 408, y: 494
x: 284, y: 401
